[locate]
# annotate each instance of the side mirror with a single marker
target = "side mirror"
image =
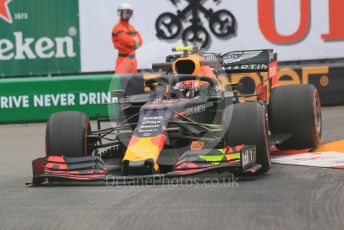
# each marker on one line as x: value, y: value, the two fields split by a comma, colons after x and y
x: 122, y: 101
x: 215, y: 98
x: 119, y: 93
x: 234, y: 86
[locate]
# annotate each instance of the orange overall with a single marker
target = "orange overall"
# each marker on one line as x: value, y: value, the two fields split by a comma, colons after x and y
x: 123, y: 38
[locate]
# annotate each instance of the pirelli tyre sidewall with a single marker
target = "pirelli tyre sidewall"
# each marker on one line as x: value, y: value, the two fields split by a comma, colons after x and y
x: 66, y: 134
x: 245, y: 123
x: 295, y: 109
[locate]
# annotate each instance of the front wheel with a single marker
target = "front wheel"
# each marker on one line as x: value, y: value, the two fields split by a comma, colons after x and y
x: 295, y: 109
x: 245, y: 123
x: 66, y: 134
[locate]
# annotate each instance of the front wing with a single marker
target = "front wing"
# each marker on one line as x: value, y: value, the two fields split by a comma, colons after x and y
x: 239, y: 159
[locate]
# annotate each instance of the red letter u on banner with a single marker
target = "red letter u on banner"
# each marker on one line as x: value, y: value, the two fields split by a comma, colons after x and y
x: 266, y: 18
x: 336, y: 11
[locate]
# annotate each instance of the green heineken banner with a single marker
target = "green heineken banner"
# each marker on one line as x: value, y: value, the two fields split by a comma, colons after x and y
x: 35, y: 99
x: 39, y: 37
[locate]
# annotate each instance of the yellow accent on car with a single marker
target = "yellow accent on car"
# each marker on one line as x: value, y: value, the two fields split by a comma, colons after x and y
x: 186, y: 48
x: 233, y: 156
x: 144, y: 148
x: 197, y: 145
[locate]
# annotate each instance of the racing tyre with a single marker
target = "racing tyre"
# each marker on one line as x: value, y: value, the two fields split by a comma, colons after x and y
x: 295, y: 109
x: 245, y: 123
x: 66, y: 134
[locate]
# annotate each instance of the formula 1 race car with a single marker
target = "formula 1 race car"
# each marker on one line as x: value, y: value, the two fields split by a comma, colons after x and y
x: 185, y: 121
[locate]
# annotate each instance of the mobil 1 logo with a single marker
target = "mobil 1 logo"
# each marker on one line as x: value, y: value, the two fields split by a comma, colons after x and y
x: 248, y: 157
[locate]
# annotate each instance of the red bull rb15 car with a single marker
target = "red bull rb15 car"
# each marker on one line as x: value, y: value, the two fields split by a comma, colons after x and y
x: 182, y: 121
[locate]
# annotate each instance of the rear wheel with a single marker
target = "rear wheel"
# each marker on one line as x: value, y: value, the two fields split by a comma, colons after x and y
x: 295, y: 109
x: 245, y: 123
x: 66, y: 134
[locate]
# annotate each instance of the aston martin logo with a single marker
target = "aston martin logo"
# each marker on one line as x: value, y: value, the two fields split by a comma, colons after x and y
x: 5, y: 12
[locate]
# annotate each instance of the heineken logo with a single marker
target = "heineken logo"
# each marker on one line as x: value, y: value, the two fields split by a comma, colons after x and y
x: 20, y: 47
x: 39, y: 37
x: 5, y: 12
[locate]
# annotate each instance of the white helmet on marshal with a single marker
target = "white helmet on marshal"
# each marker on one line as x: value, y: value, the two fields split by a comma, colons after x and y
x: 125, y: 6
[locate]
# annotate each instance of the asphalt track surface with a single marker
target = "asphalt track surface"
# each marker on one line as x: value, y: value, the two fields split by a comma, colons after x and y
x: 288, y: 197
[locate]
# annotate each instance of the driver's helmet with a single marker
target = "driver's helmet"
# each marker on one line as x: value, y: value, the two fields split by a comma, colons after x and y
x: 187, y: 85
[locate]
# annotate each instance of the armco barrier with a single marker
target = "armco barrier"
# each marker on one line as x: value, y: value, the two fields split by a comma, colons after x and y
x: 35, y: 99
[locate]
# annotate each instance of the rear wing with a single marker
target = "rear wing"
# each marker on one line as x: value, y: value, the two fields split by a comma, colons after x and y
x: 247, y: 61
x: 243, y: 61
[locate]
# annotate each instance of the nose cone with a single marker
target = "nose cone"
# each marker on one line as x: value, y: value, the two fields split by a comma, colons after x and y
x: 142, y: 150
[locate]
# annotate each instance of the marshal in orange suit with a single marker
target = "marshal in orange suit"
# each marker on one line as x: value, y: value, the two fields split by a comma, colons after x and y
x: 126, y: 39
